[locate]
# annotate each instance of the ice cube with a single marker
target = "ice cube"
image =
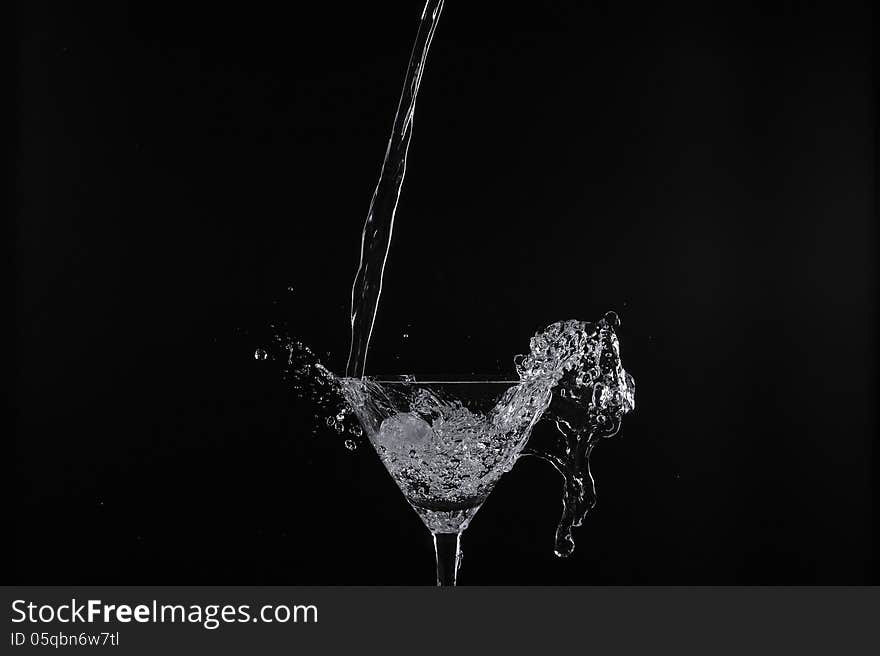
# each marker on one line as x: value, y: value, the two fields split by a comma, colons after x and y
x: 404, y: 432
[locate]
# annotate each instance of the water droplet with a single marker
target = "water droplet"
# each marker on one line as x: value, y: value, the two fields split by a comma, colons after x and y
x: 290, y: 290
x: 612, y: 319
x: 406, y: 335
x: 260, y: 354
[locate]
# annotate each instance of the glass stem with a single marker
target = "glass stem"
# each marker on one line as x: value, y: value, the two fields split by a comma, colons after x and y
x: 447, y: 549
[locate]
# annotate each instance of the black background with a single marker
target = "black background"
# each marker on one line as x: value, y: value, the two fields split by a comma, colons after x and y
x: 706, y: 171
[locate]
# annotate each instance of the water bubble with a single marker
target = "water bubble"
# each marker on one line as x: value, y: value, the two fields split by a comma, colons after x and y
x: 351, y: 445
x: 406, y: 335
x: 260, y: 354
x: 290, y: 290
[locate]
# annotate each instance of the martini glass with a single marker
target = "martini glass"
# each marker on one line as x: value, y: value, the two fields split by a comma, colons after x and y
x: 446, y: 444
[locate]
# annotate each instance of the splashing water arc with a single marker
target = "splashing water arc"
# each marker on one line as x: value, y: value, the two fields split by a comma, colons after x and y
x: 591, y: 393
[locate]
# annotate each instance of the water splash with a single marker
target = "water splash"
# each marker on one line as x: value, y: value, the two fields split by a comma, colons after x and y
x: 379, y: 224
x: 591, y: 393
x: 446, y: 443
x: 312, y: 382
x: 445, y: 456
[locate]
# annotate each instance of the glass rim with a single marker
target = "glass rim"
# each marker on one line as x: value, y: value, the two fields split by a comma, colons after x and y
x: 409, y: 379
